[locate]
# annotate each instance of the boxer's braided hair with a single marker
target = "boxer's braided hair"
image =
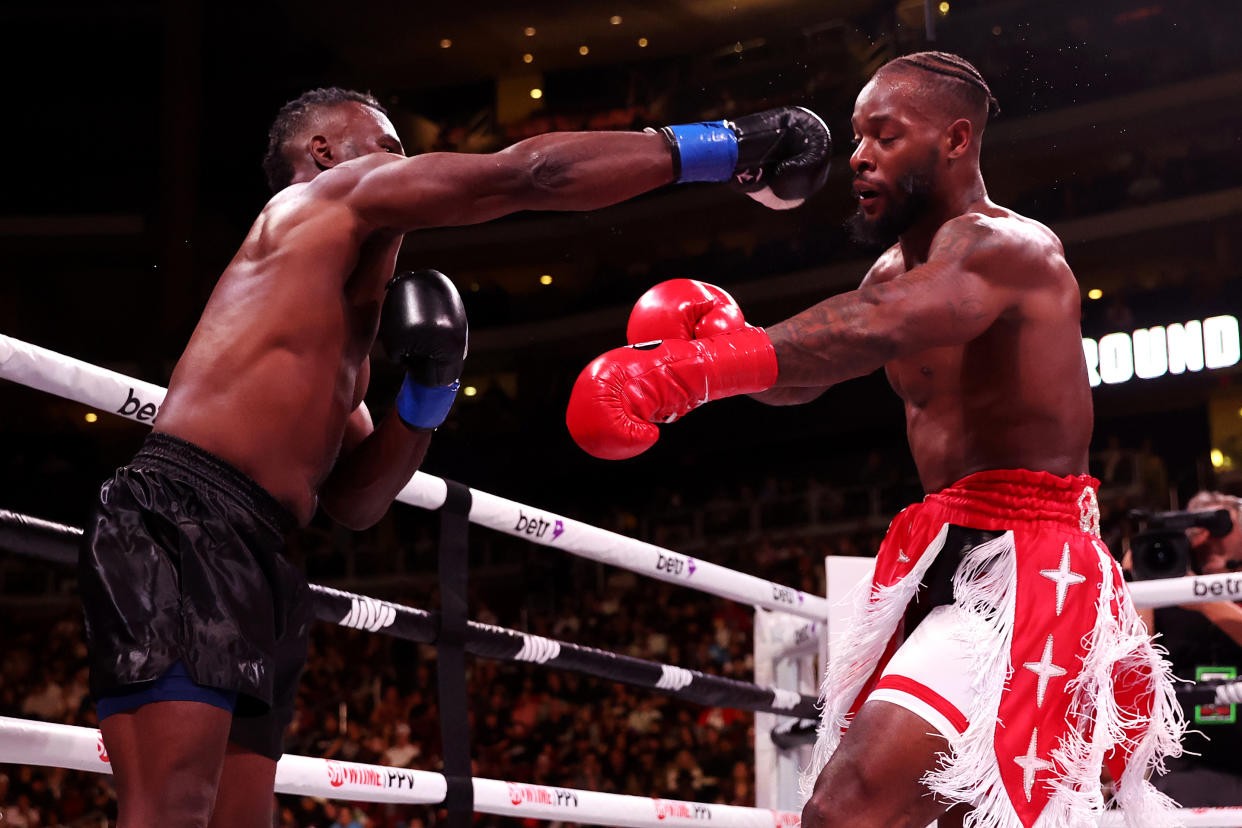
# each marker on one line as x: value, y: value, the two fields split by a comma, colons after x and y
x: 292, y: 119
x: 949, y: 65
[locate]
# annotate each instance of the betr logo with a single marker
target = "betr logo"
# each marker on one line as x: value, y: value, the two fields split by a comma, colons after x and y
x: 669, y: 564
x: 136, y: 408
x: 783, y: 594
x: 536, y: 526
x: 1229, y: 587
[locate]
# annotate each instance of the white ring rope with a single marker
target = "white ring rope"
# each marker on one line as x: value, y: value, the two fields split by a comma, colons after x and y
x: 1192, y: 589
x: 136, y: 400
x: 1229, y: 693
x: 115, y: 393
x: 65, y: 746
x: 26, y: 742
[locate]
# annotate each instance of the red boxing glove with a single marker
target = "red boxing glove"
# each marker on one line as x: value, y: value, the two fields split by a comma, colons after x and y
x: 682, y: 309
x: 619, y: 395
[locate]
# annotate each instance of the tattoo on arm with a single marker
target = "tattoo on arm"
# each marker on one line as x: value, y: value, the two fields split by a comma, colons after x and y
x: 854, y: 333
x: 830, y: 342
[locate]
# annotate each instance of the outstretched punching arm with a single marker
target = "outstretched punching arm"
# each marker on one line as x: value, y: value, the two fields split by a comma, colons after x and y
x: 977, y: 270
x: 558, y: 171
x: 972, y: 276
x: 779, y: 157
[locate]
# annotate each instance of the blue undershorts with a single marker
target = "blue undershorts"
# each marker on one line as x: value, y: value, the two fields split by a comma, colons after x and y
x: 174, y: 685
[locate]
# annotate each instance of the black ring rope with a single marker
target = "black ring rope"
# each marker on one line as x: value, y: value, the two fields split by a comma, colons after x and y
x: 58, y: 543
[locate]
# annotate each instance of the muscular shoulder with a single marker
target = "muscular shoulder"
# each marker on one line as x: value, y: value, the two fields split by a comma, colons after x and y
x: 889, y: 265
x: 340, y: 182
x: 999, y: 244
x: 326, y: 199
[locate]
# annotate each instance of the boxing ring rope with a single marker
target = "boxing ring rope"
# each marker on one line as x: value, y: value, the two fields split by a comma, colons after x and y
x: 79, y: 748
x: 136, y: 400
x: 54, y: 542
x: 1191, y: 589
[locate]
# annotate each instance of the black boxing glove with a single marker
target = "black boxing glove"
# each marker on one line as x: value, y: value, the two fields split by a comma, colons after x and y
x: 423, y: 326
x: 783, y: 156
x: 779, y: 157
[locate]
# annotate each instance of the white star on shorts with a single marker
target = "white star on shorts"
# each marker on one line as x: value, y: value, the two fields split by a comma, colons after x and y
x: 1045, y: 669
x: 1031, y: 764
x: 1063, y: 577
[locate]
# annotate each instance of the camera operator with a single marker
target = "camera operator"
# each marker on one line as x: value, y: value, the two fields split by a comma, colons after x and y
x: 1205, y: 641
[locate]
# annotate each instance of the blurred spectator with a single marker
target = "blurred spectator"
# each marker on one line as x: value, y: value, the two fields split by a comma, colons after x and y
x: 345, y: 818
x: 401, y: 753
x: 46, y: 701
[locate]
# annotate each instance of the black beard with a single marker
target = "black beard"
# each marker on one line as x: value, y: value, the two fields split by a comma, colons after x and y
x: 884, y: 231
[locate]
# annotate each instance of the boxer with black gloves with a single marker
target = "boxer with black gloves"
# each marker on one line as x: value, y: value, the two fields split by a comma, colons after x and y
x: 196, y: 624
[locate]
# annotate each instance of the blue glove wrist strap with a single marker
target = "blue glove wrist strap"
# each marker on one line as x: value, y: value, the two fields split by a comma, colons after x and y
x: 708, y: 151
x: 423, y: 406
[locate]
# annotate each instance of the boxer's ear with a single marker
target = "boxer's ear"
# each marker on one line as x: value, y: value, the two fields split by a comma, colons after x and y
x: 958, y: 136
x: 321, y: 151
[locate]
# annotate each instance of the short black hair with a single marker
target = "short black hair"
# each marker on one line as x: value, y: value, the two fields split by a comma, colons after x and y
x: 293, y: 117
x: 958, y: 71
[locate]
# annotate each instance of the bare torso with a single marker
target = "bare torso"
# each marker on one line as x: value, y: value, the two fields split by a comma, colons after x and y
x: 279, y: 358
x: 1015, y: 397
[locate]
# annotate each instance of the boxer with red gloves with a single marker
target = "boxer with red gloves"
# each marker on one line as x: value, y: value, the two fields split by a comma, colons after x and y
x: 682, y: 309
x: 997, y: 660
x: 689, y: 344
x: 619, y: 396
x: 662, y: 376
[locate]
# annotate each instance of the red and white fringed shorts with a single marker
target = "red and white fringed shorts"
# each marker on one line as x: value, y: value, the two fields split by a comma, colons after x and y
x: 1038, y: 673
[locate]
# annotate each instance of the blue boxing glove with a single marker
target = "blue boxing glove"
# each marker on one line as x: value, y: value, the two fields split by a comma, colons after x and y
x: 779, y: 157
x: 423, y: 326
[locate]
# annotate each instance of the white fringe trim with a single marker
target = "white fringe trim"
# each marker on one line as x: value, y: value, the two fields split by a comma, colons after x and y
x: 985, y: 590
x: 1077, y: 799
x: 1164, y: 726
x: 1117, y: 646
x: 854, y: 653
x: 970, y: 772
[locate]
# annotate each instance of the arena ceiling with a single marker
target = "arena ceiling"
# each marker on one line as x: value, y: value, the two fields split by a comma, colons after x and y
x: 489, y: 39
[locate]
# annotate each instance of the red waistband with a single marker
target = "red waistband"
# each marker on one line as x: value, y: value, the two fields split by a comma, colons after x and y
x: 1017, y: 495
